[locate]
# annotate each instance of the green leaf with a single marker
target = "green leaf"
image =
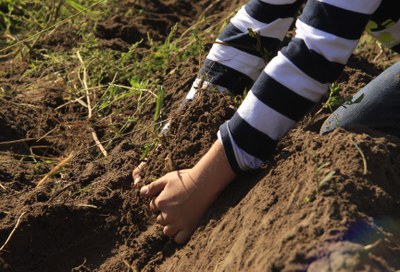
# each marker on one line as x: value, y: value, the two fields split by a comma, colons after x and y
x: 159, y: 103
x: 358, y: 100
x: 77, y: 6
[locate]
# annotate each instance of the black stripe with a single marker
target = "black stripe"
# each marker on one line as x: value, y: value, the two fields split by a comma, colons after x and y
x: 268, y: 13
x: 340, y: 22
x: 251, y: 140
x: 280, y: 98
x: 312, y: 63
x: 386, y: 14
x: 224, y: 76
x: 226, y: 142
x: 263, y: 47
x: 396, y: 48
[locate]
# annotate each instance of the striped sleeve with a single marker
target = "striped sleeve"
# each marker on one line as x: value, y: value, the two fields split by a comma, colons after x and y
x: 295, y: 80
x: 384, y: 25
x: 246, y: 45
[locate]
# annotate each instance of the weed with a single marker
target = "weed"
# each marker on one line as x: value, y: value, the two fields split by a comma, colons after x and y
x: 159, y: 104
x: 78, y: 7
x: 238, y: 99
x: 335, y: 100
x: 82, y: 190
x: 147, y: 149
x: 10, y: 14
x: 267, y: 56
x: 122, y: 87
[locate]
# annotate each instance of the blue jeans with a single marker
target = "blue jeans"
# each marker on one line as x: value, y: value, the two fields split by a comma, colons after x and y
x: 378, y: 110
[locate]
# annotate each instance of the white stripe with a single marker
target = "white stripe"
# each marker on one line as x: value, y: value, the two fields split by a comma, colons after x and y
x: 333, y: 48
x: 202, y: 83
x: 244, y: 160
x: 276, y: 29
x: 264, y: 118
x: 360, y: 6
x: 243, y: 62
x: 290, y: 76
x: 278, y: 2
x: 393, y: 31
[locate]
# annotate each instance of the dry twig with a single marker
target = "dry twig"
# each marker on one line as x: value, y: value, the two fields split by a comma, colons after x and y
x: 89, y: 106
x: 362, y: 157
x: 55, y: 169
x: 12, y: 232
x: 18, y: 141
x: 130, y: 267
x: 87, y: 206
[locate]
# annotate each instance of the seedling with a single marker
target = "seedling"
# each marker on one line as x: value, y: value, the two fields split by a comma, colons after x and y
x: 335, y: 100
x: 159, y: 105
x: 82, y: 190
x: 267, y: 56
x: 323, y: 180
x: 147, y: 149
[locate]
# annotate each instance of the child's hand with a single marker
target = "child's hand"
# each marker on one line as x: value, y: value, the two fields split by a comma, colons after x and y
x: 181, y: 198
x: 136, y: 174
x: 179, y: 202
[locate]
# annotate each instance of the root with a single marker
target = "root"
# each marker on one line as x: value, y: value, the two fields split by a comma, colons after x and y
x: 12, y: 232
x: 362, y: 157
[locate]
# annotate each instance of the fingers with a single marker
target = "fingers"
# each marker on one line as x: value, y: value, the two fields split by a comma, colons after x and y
x: 136, y: 173
x: 136, y: 181
x: 182, y: 236
x: 153, y: 207
x: 153, y: 188
x: 161, y: 219
x: 170, y: 230
x: 137, y: 170
x: 179, y: 236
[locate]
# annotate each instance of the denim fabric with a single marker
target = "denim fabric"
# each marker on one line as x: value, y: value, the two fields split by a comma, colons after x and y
x: 378, y: 110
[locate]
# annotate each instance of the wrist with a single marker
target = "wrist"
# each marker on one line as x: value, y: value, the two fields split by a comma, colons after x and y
x: 213, y: 172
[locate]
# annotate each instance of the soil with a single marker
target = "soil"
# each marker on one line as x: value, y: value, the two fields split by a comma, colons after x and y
x: 283, y: 217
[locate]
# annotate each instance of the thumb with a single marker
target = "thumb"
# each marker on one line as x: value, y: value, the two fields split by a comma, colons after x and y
x: 153, y: 188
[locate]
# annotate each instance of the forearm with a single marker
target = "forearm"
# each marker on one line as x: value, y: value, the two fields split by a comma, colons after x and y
x: 249, y: 41
x: 213, y: 172
x: 294, y: 81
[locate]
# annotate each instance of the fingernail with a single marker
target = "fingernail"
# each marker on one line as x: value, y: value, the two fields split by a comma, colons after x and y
x: 136, y: 181
x: 144, y: 190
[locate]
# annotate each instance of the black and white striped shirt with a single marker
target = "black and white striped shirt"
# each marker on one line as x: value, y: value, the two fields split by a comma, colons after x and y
x: 284, y: 86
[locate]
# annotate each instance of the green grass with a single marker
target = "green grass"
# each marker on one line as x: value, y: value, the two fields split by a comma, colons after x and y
x: 119, y: 86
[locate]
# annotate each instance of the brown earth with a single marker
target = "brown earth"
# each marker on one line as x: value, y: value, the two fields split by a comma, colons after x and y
x: 284, y: 217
